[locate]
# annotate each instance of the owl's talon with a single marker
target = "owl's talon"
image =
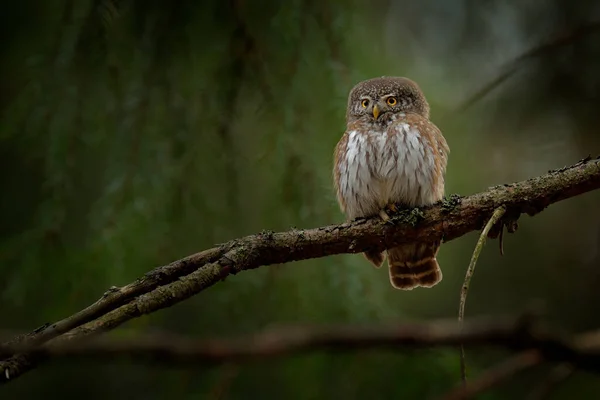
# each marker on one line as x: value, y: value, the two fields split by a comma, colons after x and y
x: 392, y: 208
x: 385, y: 217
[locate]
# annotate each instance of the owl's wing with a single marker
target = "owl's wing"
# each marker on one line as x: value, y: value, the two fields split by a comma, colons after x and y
x: 430, y: 139
x: 430, y: 134
x: 339, y: 161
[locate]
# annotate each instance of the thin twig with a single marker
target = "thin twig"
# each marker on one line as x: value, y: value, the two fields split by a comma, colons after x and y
x: 558, y: 375
x: 498, y: 213
x: 496, y: 375
x: 501, y: 240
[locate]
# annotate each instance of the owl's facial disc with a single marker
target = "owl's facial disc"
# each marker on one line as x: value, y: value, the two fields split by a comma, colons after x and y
x: 377, y: 100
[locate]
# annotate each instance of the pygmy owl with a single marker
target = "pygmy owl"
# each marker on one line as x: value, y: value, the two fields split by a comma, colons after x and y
x: 391, y: 154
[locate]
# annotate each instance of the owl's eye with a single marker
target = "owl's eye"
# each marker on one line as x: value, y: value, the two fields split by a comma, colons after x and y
x: 364, y: 103
x: 392, y: 101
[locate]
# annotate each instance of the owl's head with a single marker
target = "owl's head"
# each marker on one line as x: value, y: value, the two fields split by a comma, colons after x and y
x: 378, y: 99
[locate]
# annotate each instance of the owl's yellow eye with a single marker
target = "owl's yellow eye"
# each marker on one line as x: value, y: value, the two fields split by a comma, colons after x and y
x: 392, y: 101
x: 364, y: 103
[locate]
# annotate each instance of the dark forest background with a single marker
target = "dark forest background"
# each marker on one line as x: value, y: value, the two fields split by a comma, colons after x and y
x: 135, y: 132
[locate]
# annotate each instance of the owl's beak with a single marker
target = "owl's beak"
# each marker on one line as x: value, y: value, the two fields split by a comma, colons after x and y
x: 376, y: 111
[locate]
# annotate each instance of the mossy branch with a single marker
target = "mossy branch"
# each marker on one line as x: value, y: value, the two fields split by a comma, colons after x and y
x: 170, y: 284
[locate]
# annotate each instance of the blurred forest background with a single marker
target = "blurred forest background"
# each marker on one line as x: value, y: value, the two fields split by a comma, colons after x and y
x: 135, y: 132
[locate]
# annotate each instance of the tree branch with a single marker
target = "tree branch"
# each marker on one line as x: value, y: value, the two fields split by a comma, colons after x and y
x: 170, y: 284
x: 515, y: 334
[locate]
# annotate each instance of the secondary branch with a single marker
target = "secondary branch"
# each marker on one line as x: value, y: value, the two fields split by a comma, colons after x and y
x: 515, y: 334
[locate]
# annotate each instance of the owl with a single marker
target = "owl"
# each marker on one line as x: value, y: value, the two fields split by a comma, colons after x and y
x: 391, y: 154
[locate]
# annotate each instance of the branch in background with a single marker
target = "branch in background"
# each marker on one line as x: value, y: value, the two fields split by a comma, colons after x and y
x: 510, y: 68
x: 496, y: 375
x: 558, y: 375
x: 499, y: 374
x: 515, y: 334
x: 168, y: 285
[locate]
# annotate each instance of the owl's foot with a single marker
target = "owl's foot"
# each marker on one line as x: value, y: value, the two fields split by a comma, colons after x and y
x: 385, y: 217
x: 393, y: 208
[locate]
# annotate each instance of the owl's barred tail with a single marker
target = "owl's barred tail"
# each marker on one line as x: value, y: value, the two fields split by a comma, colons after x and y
x: 407, y: 276
x: 414, y: 265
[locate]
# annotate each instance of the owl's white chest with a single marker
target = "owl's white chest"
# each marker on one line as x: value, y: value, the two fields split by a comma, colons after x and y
x: 382, y: 167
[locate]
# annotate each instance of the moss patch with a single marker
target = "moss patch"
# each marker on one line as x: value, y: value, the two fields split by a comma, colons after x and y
x: 410, y: 216
x: 449, y: 203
